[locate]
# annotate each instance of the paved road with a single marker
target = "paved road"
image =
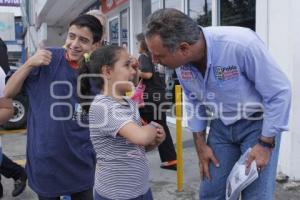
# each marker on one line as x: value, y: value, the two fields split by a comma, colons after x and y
x: 163, y: 181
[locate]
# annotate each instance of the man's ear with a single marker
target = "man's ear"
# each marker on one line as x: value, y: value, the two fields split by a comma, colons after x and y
x: 184, y: 48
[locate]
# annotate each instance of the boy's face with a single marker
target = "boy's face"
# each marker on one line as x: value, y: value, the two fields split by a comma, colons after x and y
x: 79, y: 41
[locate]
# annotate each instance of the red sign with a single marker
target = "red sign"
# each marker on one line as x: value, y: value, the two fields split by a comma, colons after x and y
x: 108, y: 5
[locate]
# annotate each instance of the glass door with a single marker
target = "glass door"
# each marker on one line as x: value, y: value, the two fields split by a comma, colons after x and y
x: 124, y: 16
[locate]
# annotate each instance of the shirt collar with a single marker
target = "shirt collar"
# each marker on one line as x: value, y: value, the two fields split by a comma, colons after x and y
x: 209, y: 47
x: 207, y: 38
x: 73, y: 64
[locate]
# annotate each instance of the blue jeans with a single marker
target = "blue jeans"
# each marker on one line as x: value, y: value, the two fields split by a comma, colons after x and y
x: 228, y: 144
x: 146, y: 196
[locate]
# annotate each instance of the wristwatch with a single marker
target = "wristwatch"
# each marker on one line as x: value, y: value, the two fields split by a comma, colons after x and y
x: 266, y: 144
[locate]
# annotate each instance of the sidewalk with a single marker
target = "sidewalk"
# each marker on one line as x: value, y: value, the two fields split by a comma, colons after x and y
x: 163, y: 182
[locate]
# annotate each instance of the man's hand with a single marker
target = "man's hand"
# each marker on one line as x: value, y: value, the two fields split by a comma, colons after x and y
x: 40, y: 58
x: 260, y: 154
x: 205, y: 155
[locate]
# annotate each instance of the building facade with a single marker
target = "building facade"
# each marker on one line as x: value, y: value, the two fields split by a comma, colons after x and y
x: 275, y: 21
x: 11, y: 30
x: 47, y: 20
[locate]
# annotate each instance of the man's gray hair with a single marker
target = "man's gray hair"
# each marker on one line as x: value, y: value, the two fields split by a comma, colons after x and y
x: 173, y: 27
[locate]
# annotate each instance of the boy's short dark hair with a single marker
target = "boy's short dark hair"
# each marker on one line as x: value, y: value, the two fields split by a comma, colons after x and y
x: 90, y: 22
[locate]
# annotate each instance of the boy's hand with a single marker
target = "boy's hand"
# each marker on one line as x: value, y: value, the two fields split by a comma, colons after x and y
x: 41, y: 57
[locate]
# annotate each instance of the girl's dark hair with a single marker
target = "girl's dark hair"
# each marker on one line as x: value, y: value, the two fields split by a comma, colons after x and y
x: 141, y: 39
x: 91, y: 86
x: 90, y: 22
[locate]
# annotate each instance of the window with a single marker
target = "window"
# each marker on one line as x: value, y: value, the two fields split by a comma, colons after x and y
x: 124, y: 28
x: 154, y: 5
x: 146, y: 10
x: 114, y: 31
x: 173, y: 4
x: 148, y: 7
x: 238, y: 13
x: 19, y: 28
x: 200, y: 11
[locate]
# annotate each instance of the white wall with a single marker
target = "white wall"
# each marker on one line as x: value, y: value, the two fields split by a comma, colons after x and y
x: 15, y: 10
x: 277, y: 22
x: 55, y: 37
x: 294, y: 55
x: 7, y: 32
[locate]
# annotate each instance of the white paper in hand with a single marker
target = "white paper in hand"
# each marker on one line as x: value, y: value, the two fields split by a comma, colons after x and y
x: 240, y: 177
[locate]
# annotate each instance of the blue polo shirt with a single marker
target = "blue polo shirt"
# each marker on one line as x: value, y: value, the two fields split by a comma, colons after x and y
x: 241, y: 78
x: 60, y: 155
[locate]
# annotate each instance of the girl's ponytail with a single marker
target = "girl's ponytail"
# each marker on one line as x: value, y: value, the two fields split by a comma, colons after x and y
x: 85, y: 85
x: 91, y: 65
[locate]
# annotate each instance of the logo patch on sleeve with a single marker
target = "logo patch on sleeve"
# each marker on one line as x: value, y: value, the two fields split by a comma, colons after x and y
x: 226, y: 73
x: 186, y: 75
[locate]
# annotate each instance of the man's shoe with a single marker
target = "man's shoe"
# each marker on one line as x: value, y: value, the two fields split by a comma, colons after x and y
x: 171, y: 165
x: 20, y: 185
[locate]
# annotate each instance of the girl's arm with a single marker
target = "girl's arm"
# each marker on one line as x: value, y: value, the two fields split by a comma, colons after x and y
x: 145, y: 75
x: 138, y: 135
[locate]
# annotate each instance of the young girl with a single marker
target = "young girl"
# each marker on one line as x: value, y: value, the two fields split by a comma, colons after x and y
x: 115, y: 127
x: 153, y: 77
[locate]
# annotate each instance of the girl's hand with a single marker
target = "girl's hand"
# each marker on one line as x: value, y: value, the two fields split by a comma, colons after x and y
x: 160, y: 135
x: 134, y: 63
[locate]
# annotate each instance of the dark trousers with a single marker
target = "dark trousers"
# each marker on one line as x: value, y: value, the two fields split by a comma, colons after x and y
x: 146, y: 196
x: 10, y: 169
x: 166, y: 149
x: 84, y: 195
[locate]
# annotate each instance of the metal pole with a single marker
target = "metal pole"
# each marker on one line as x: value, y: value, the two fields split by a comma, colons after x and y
x: 178, y: 95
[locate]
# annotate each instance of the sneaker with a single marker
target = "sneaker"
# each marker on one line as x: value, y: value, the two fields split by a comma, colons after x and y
x: 171, y: 165
x: 20, y: 185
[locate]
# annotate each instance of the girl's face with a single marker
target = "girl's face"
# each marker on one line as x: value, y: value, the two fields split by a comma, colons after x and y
x: 122, y: 74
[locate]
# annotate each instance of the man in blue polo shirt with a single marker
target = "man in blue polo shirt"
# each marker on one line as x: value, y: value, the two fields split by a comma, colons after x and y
x: 227, y: 76
x: 60, y: 155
